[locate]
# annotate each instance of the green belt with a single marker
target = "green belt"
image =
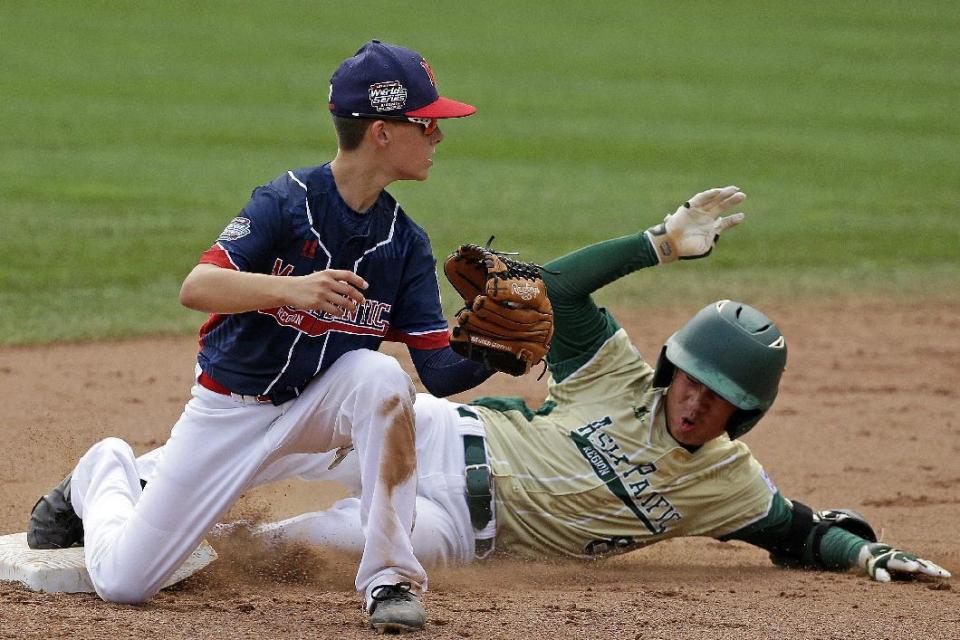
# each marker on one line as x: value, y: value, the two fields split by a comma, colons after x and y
x: 478, y: 478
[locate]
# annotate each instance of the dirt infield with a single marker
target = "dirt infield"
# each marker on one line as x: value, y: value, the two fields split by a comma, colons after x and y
x: 868, y: 417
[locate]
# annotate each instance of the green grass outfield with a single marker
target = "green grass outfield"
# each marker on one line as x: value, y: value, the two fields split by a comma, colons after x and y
x: 130, y: 133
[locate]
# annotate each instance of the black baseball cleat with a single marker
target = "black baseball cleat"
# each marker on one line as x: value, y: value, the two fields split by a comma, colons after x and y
x: 53, y: 522
x: 395, y: 609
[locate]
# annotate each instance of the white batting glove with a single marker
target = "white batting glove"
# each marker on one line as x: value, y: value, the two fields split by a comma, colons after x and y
x: 880, y: 560
x: 693, y: 230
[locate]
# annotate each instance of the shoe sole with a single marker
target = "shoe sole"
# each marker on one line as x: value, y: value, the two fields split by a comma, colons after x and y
x: 393, y: 627
x: 51, y: 526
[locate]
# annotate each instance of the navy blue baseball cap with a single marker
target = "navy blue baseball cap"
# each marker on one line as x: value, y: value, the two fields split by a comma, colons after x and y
x: 387, y: 80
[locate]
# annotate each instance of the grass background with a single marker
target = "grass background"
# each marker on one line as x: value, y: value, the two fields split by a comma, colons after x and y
x: 130, y: 133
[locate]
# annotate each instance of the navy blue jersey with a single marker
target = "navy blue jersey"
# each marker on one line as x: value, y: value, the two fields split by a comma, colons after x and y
x: 294, y: 226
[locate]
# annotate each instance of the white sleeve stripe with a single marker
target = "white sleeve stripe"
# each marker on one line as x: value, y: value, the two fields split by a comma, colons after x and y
x: 703, y: 471
x: 420, y: 333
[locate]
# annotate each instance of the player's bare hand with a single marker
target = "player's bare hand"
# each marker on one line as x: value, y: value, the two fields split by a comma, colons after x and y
x: 695, y: 227
x: 882, y: 562
x: 335, y: 291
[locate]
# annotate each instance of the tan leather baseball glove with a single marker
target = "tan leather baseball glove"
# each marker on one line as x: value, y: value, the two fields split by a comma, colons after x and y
x: 507, y: 320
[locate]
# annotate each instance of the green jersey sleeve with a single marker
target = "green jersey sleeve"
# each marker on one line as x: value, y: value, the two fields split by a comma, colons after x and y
x: 838, y: 548
x: 580, y: 326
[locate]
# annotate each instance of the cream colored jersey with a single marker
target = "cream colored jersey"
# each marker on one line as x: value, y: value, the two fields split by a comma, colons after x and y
x: 599, y: 473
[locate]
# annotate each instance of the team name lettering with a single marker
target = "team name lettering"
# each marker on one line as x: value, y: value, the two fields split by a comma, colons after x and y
x: 289, y: 316
x: 588, y: 429
x: 369, y: 319
x: 599, y: 464
x: 372, y: 318
x: 369, y: 314
x: 280, y: 269
x: 624, y: 478
x: 643, y: 469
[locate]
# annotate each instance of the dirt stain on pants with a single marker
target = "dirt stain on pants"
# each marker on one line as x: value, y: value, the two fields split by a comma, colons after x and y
x: 399, y: 459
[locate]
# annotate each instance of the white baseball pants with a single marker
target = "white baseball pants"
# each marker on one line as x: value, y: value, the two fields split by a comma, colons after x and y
x: 135, y: 539
x: 443, y: 534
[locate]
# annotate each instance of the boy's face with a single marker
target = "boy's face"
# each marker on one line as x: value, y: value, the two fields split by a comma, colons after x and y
x: 411, y: 148
x: 695, y: 414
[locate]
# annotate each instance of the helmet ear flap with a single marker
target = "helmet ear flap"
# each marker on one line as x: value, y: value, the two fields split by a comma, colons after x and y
x: 742, y: 421
x: 664, y: 371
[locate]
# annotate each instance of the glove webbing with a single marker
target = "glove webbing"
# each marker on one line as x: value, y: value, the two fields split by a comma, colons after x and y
x: 515, y: 268
x: 525, y: 270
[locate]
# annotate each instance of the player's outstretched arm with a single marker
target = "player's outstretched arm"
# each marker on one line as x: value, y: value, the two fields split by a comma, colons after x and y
x: 831, y: 540
x: 214, y: 289
x: 580, y: 326
x: 688, y: 233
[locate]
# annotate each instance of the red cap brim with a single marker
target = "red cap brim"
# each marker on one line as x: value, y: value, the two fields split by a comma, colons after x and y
x: 443, y: 108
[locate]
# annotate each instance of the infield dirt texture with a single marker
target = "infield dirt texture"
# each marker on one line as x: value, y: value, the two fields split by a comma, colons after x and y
x: 130, y: 135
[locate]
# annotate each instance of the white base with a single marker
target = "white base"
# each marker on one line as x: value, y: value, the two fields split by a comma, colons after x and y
x: 64, y: 571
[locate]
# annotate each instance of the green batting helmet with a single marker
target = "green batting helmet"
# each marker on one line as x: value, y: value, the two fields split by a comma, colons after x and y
x: 736, y: 352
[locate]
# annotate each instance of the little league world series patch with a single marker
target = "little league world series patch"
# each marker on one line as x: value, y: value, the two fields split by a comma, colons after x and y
x: 387, y: 96
x: 236, y: 229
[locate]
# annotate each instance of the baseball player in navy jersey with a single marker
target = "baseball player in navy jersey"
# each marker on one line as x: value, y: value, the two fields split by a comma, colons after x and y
x: 318, y: 269
x: 621, y: 454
